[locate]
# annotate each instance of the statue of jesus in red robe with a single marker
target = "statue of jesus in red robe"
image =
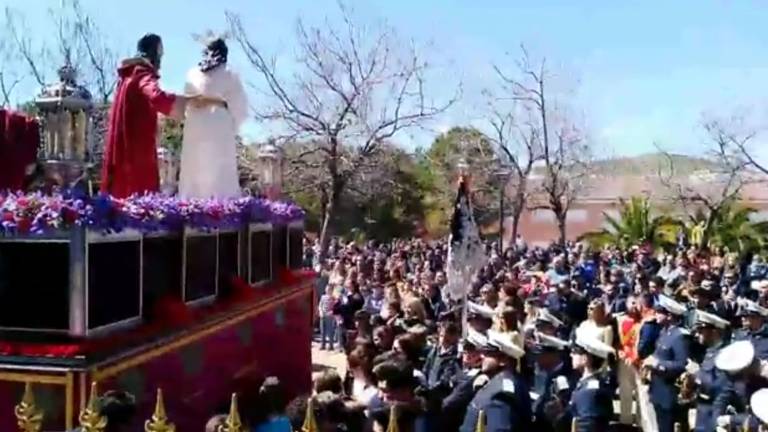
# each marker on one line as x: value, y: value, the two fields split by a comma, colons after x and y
x: 130, y: 154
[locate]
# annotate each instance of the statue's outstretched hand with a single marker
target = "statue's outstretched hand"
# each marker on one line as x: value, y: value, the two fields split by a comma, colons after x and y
x: 201, y: 101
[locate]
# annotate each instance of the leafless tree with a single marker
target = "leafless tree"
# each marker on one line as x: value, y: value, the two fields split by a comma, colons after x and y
x: 77, y: 41
x: 548, y: 135
x: 514, y: 136
x: 9, y: 73
x: 353, y: 91
x: 709, y: 191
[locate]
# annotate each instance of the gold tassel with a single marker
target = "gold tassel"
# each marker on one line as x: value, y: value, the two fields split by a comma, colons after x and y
x: 90, y: 418
x: 481, y: 426
x: 159, y: 421
x: 232, y: 423
x: 392, y: 427
x: 573, y: 425
x: 28, y: 417
x: 310, y: 423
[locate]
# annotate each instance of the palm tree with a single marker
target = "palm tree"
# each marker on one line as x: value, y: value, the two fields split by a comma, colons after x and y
x: 636, y: 225
x: 734, y: 229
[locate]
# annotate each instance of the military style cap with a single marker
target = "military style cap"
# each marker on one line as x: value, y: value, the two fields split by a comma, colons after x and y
x: 549, y: 343
x: 667, y: 304
x: 707, y: 319
x: 759, y: 404
x: 474, y: 341
x: 544, y: 315
x: 477, y: 309
x: 748, y: 307
x: 592, y: 345
x: 735, y: 357
x: 502, y: 343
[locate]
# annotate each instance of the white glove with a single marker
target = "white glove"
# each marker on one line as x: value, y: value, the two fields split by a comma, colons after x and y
x: 764, y: 368
x: 692, y: 367
x: 480, y: 381
x: 724, y: 421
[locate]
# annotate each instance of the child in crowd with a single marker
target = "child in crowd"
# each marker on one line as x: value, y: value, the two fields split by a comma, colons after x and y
x: 327, y: 319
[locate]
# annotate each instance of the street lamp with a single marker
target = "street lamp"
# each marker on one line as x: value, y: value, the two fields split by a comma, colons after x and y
x: 502, y: 174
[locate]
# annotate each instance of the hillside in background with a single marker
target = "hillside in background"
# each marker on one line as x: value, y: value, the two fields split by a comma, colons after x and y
x: 650, y: 163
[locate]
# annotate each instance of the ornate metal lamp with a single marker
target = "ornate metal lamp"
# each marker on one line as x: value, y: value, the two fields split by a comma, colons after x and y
x: 270, y: 164
x: 67, y: 151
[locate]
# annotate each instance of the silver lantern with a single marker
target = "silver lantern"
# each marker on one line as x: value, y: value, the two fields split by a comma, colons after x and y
x: 66, y: 150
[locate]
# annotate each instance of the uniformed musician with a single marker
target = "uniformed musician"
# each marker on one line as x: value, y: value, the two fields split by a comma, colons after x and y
x: 591, y: 405
x: 746, y: 376
x: 705, y: 382
x: 667, y: 363
x: 454, y: 406
x: 553, y: 380
x: 503, y: 395
x: 754, y: 321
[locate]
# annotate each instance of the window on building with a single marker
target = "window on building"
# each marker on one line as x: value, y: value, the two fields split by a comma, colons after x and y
x: 543, y: 215
x: 577, y: 215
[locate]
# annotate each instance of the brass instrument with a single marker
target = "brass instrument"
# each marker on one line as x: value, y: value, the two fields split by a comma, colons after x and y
x: 688, y: 389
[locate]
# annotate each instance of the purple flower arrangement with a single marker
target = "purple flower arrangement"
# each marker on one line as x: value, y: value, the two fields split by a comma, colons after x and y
x: 36, y: 213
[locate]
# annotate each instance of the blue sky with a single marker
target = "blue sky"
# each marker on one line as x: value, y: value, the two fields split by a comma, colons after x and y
x: 641, y: 71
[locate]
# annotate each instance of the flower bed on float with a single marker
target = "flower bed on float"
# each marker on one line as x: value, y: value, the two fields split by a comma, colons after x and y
x: 36, y: 213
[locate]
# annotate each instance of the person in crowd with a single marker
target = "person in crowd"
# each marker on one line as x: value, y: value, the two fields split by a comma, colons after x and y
x: 327, y: 319
x: 591, y: 404
x: 754, y: 319
x: 628, y: 326
x: 345, y: 310
x: 272, y: 403
x: 746, y: 376
x: 503, y: 395
x: 704, y: 383
x: 667, y: 363
x: 442, y: 363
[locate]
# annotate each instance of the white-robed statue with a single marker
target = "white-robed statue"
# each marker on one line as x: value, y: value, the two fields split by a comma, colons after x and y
x: 208, y: 152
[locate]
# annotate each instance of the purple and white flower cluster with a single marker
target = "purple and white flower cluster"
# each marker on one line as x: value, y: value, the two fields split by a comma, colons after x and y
x: 37, y: 213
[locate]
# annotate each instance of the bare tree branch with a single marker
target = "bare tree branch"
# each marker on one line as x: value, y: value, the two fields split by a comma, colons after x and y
x: 354, y: 89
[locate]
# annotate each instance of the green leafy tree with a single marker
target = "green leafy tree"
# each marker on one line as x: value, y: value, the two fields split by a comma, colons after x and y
x: 637, y: 224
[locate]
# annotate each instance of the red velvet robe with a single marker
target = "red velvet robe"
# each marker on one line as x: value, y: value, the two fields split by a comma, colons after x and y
x: 130, y: 153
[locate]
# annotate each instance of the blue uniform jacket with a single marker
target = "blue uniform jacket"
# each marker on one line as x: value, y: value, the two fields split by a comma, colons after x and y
x: 672, y: 355
x: 647, y: 336
x: 759, y: 341
x: 506, y: 403
x: 591, y: 405
x: 737, y: 394
x: 711, y: 383
x: 454, y: 406
x: 441, y: 368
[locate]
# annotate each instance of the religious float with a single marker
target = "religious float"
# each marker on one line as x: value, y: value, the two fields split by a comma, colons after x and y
x: 199, y: 298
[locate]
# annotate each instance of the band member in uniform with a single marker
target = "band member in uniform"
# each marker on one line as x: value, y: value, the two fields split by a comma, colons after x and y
x: 454, y: 406
x: 504, y: 398
x: 759, y: 402
x: 591, y: 407
x: 667, y: 363
x: 703, y: 384
x: 553, y: 380
x: 746, y: 375
x: 753, y: 320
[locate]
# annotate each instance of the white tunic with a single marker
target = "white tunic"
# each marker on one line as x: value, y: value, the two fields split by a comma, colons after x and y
x: 209, y: 151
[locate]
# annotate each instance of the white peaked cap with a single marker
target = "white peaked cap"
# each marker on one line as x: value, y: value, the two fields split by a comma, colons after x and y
x: 545, y: 315
x: 593, y: 345
x: 551, y: 341
x: 671, y: 306
x: 751, y: 307
x: 759, y: 404
x: 504, y: 343
x: 710, y: 319
x: 759, y: 285
x: 476, y: 338
x: 481, y: 310
x: 735, y: 357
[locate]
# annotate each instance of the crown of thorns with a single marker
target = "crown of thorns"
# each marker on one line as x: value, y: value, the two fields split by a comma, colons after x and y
x: 209, y: 36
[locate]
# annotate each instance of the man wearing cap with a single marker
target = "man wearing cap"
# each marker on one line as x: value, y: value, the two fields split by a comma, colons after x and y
x: 754, y: 327
x: 442, y: 364
x: 553, y: 380
x: 591, y: 405
x: 667, y: 363
x: 746, y: 376
x: 504, y: 399
x: 454, y: 406
x: 706, y: 382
